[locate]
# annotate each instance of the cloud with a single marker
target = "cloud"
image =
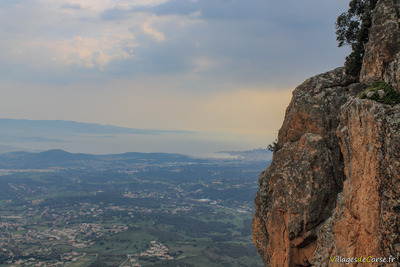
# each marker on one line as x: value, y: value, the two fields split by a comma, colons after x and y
x: 256, y: 40
x: 115, y: 14
x: 90, y: 52
x: 282, y: 12
x: 72, y: 6
x: 159, y: 36
x: 206, y: 65
x: 82, y: 51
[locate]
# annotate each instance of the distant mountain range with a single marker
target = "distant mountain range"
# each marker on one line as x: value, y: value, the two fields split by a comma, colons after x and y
x: 62, y: 159
x: 92, y: 138
x: 15, y: 134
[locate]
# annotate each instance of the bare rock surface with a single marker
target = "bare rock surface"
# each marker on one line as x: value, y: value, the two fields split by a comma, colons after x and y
x: 382, y: 52
x: 366, y: 220
x: 298, y: 190
x: 333, y: 187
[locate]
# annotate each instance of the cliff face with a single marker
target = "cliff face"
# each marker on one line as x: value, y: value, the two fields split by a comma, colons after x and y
x: 382, y: 52
x: 298, y: 190
x: 333, y: 187
x: 366, y: 220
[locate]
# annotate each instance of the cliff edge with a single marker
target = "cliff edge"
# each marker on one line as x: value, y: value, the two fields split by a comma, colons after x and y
x: 332, y: 190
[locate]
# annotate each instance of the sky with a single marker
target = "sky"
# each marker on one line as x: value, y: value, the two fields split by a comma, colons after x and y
x: 225, y: 68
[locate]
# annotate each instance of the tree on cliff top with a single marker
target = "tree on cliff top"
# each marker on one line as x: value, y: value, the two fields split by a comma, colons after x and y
x: 352, y: 28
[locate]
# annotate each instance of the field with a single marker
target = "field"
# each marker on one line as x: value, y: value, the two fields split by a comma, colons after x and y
x: 195, y: 213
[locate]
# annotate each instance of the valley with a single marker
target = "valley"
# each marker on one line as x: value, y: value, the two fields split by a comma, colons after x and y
x: 131, y: 210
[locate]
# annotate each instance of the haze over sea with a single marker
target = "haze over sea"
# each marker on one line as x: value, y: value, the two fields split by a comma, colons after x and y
x: 222, y: 70
x: 195, y: 144
x: 76, y: 137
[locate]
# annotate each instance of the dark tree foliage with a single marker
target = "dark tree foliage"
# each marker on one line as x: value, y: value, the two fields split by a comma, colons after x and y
x: 352, y: 28
x: 274, y: 146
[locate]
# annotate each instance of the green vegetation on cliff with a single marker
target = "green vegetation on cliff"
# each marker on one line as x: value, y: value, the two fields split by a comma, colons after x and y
x: 381, y: 92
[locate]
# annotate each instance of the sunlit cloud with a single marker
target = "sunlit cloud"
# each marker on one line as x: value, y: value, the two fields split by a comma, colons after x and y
x: 90, y: 52
x: 205, y: 65
x: 83, y: 51
x: 159, y: 36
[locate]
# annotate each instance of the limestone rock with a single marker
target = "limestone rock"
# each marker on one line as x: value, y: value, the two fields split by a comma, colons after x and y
x: 298, y: 190
x: 382, y: 52
x: 366, y: 220
x: 333, y: 187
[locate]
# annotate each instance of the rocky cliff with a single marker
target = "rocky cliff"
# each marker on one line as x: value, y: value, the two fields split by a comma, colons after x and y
x: 333, y: 187
x: 382, y: 52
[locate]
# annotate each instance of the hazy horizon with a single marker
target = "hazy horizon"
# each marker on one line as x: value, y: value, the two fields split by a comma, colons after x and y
x: 224, y: 70
x: 76, y: 137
